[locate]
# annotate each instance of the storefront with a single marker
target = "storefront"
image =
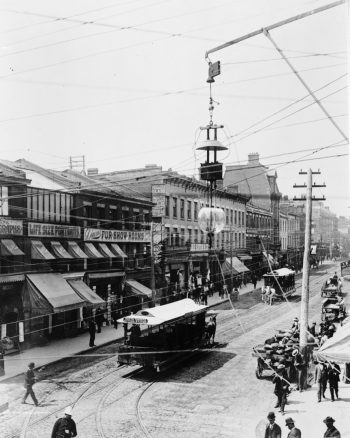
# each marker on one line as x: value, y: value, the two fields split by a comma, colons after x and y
x: 52, y: 308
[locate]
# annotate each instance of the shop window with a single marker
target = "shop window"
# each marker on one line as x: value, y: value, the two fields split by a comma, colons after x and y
x: 174, y: 207
x: 147, y: 217
x: 182, y: 209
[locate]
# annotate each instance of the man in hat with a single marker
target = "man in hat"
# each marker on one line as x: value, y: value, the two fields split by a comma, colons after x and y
x: 333, y: 378
x: 92, y: 331
x: 331, y: 430
x: 29, y: 380
x: 319, y: 379
x: 272, y: 429
x: 295, y: 325
x: 65, y: 427
x: 299, y: 365
x: 294, y: 432
x: 312, y: 329
x: 281, y: 387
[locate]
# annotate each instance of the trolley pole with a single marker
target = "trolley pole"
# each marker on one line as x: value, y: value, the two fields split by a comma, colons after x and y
x: 304, y: 310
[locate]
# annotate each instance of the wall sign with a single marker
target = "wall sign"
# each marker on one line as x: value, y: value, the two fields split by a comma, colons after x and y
x: 158, y: 198
x: 11, y: 227
x: 98, y: 235
x: 199, y: 247
x: 53, y: 230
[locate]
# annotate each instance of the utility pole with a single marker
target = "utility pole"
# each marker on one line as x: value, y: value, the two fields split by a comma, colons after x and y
x: 304, y: 311
x: 153, y: 286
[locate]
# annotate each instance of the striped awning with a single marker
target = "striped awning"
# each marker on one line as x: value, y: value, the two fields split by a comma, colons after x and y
x: 59, y: 251
x: 119, y: 252
x: 91, y: 251
x: 40, y: 252
x: 75, y: 251
x: 104, y: 250
x: 9, y: 248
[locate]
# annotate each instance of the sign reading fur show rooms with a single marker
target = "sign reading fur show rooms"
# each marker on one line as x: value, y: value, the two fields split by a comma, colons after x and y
x: 98, y: 235
x: 53, y: 230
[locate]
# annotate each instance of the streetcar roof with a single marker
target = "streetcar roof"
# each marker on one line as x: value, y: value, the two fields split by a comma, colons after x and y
x: 283, y: 272
x: 166, y: 313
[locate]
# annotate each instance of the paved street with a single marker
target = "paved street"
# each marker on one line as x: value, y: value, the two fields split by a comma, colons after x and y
x: 215, y: 394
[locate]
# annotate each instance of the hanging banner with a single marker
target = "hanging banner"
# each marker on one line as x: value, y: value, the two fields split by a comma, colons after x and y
x: 53, y: 230
x: 98, y: 235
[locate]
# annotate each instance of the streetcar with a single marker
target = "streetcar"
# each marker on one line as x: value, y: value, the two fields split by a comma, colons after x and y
x: 282, y: 281
x: 157, y: 336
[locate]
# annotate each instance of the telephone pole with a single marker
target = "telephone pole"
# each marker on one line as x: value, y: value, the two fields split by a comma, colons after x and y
x: 304, y: 311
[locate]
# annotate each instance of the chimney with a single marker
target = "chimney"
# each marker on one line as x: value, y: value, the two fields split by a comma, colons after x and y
x: 92, y: 171
x: 253, y: 158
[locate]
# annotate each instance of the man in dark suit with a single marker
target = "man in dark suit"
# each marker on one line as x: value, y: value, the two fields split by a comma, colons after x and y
x: 294, y: 432
x: 331, y: 431
x: 92, y: 331
x: 333, y: 378
x: 29, y: 382
x: 272, y: 429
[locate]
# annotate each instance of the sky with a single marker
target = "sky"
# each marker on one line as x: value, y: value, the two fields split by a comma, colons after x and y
x: 124, y: 84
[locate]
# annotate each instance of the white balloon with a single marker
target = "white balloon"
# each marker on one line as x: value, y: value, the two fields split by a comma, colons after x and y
x: 211, y: 219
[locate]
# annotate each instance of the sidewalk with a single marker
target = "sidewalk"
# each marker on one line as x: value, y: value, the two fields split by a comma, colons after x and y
x: 308, y: 414
x: 16, y: 364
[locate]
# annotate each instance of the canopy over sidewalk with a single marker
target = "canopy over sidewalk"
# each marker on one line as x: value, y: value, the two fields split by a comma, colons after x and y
x: 337, y: 348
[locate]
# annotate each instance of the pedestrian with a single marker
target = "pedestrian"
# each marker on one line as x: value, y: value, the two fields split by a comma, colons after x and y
x: 312, y: 329
x: 324, y: 379
x: 294, y: 432
x: 92, y: 331
x: 318, y: 379
x: 65, y: 427
x: 299, y: 365
x: 99, y: 318
x: 29, y: 381
x: 254, y: 281
x: 281, y: 387
x: 114, y: 314
x: 333, y: 378
x: 331, y: 430
x: 272, y: 429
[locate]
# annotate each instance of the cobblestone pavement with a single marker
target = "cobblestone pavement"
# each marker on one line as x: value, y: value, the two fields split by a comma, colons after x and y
x: 214, y: 395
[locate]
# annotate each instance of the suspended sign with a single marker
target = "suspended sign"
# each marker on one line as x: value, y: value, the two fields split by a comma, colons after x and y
x: 53, y: 230
x: 98, y: 235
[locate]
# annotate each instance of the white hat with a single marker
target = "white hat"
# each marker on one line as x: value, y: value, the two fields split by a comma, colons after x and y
x: 68, y: 411
x: 295, y: 352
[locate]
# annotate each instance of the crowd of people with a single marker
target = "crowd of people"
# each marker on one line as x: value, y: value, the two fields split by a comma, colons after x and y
x: 273, y: 430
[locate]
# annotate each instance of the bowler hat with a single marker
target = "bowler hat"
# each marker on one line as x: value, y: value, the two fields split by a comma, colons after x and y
x: 329, y: 420
x: 289, y: 420
x: 31, y: 365
x: 271, y: 415
x: 295, y: 352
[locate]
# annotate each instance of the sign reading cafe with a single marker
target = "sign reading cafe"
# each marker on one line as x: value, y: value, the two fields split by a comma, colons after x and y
x: 53, y: 230
x: 98, y: 235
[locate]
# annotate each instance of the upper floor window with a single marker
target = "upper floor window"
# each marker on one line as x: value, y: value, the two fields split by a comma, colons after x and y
x: 235, y: 217
x: 189, y: 210
x: 167, y: 206
x: 195, y: 212
x: 174, y: 207
x: 4, y: 203
x: 182, y: 208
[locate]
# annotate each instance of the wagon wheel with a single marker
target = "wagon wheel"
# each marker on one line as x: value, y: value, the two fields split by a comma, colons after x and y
x: 259, y: 369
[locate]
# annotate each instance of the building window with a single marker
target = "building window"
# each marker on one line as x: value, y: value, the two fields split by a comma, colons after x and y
x: 182, y: 209
x: 242, y: 218
x: 231, y: 217
x: 167, y: 206
x: 167, y: 236
x: 195, y: 236
x: 189, y: 210
x: 227, y: 216
x: 4, y: 203
x: 235, y: 217
x: 195, y: 213
x: 189, y: 235
x: 182, y: 241
x: 174, y: 207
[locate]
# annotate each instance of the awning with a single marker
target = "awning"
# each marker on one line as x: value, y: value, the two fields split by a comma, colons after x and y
x: 138, y: 288
x: 73, y: 275
x: 9, y: 248
x: 87, y: 294
x: 227, y: 269
x: 106, y: 274
x: 75, y: 251
x: 103, y: 248
x: 245, y: 257
x: 55, y: 289
x: 91, y: 251
x: 59, y: 251
x: 237, y: 265
x: 39, y: 251
x: 336, y: 348
x: 119, y: 252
